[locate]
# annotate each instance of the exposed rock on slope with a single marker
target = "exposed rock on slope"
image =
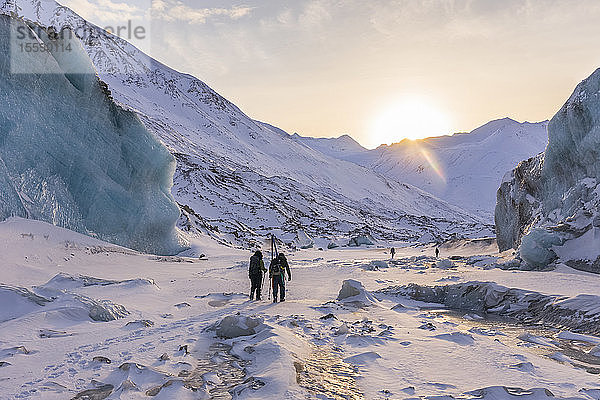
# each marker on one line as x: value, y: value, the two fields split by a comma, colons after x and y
x: 550, y: 205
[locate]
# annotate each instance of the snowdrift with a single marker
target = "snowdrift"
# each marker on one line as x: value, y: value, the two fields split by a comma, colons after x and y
x: 55, y: 302
x: 71, y: 156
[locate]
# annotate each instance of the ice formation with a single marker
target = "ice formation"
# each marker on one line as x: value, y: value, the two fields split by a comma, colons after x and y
x: 233, y: 326
x: 549, y: 205
x: 71, y: 156
x: 354, y: 293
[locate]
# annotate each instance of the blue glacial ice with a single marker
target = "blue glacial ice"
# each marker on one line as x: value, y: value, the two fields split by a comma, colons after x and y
x: 71, y: 156
x: 550, y: 205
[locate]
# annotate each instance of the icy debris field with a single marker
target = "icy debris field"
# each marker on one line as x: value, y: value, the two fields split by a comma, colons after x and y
x: 82, y: 319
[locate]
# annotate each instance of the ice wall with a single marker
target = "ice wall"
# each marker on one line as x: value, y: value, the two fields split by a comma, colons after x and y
x: 69, y: 155
x: 549, y: 207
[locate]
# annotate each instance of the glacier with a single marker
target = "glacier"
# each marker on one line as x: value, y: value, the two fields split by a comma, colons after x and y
x: 71, y: 156
x: 548, y: 207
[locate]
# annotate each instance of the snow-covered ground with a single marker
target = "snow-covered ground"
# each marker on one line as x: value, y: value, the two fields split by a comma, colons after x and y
x: 185, y: 328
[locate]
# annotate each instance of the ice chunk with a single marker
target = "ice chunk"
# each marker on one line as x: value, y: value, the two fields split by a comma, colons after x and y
x: 71, y: 156
x: 234, y: 326
x: 360, y: 240
x: 353, y: 292
x: 444, y: 264
x: 536, y: 247
x: 302, y: 240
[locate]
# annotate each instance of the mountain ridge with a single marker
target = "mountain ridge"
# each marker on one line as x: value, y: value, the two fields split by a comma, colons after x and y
x: 464, y: 169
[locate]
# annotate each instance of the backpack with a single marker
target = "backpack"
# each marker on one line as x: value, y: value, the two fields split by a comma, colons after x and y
x: 275, y: 267
x: 254, y: 265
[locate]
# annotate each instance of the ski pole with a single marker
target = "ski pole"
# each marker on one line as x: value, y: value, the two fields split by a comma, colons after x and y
x: 270, y: 280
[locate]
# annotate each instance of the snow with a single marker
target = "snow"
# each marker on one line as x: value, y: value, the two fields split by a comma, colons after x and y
x: 111, y: 180
x: 282, y: 350
x: 82, y: 318
x: 586, y: 247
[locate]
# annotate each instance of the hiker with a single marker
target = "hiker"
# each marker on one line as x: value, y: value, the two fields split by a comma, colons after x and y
x: 437, y: 252
x: 255, y: 272
x: 277, y: 271
x: 393, y: 252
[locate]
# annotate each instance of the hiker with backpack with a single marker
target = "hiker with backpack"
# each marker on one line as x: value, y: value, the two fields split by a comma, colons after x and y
x: 277, y: 271
x: 255, y: 272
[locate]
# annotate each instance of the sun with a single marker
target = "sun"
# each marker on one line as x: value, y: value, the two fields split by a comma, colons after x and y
x: 412, y: 118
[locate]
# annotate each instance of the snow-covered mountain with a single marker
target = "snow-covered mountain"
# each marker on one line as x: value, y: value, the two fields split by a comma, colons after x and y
x: 343, y: 147
x: 464, y: 169
x: 548, y: 207
x: 236, y: 178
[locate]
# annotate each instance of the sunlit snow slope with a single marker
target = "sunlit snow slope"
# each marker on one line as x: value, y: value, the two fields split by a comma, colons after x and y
x: 238, y: 179
x: 464, y: 169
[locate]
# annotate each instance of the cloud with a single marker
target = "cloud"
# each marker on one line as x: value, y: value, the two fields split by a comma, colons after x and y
x: 178, y: 11
x: 315, y: 13
x: 104, y: 12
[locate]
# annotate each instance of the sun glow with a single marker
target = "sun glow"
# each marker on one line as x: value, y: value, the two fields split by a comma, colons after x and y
x: 411, y: 118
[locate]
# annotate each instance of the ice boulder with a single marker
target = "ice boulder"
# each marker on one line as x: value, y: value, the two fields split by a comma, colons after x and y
x: 444, y: 264
x: 234, y: 326
x: 302, y: 240
x: 536, y: 248
x: 375, y: 265
x: 360, y: 240
x: 554, y: 199
x: 71, y: 156
x: 354, y: 293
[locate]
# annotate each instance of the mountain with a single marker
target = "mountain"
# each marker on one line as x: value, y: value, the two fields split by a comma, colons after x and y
x: 112, y: 179
x: 548, y: 207
x: 343, y: 147
x: 238, y: 179
x: 464, y: 169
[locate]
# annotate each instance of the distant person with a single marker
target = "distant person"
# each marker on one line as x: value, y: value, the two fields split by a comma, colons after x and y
x: 393, y: 252
x: 279, y: 266
x: 437, y: 252
x: 255, y: 272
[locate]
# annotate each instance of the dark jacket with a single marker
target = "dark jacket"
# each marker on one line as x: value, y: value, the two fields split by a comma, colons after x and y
x: 257, y: 266
x: 285, y: 267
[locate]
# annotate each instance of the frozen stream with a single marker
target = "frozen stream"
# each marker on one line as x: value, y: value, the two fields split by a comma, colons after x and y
x: 538, y: 339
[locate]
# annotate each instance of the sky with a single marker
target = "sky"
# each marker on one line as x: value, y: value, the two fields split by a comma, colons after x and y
x: 379, y: 70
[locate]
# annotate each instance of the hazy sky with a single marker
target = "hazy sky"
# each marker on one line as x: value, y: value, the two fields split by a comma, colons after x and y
x: 329, y: 67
